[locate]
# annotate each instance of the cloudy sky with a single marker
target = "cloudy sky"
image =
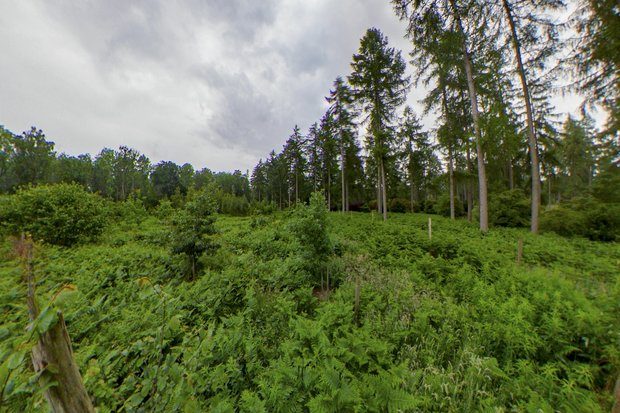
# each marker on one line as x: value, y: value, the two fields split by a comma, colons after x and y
x: 217, y: 83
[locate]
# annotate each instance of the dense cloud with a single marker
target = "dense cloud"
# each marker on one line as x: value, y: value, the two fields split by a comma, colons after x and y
x: 218, y: 83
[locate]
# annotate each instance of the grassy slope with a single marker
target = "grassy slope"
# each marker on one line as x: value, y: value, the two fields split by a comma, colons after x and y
x: 450, y: 324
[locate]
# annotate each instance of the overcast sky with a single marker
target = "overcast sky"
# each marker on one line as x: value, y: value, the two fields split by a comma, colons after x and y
x: 217, y: 83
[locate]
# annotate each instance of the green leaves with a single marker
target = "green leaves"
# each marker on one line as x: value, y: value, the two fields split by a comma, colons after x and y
x: 450, y: 324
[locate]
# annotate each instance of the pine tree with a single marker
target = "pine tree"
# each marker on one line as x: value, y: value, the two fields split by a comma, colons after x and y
x: 467, y: 20
x: 380, y: 87
x: 294, y: 156
x: 534, y: 39
x: 413, y: 139
x: 341, y: 110
x: 596, y: 56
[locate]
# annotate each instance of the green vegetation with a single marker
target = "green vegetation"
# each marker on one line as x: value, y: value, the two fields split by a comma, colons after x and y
x: 448, y: 324
x: 188, y: 290
x: 57, y: 214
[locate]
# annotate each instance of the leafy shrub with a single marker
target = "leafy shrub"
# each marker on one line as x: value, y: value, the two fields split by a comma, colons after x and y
x: 584, y: 217
x: 62, y: 214
x: 372, y: 205
x: 308, y: 225
x: 399, y: 205
x: 131, y: 210
x: 603, y: 222
x: 234, y: 205
x: 192, y: 228
x: 442, y: 206
x: 428, y: 206
x: 563, y: 221
x: 263, y: 208
x: 164, y: 210
x: 509, y: 209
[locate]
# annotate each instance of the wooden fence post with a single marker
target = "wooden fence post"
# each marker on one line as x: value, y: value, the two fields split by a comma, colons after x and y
x: 430, y: 229
x: 519, y: 251
x: 53, y: 349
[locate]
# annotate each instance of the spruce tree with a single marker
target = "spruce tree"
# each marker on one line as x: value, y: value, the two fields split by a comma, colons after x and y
x: 380, y: 86
x: 341, y: 110
x: 467, y: 20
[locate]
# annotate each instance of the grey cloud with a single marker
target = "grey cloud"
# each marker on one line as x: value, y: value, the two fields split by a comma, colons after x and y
x: 218, y: 83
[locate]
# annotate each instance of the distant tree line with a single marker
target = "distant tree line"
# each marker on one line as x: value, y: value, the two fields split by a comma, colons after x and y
x: 30, y: 159
x: 489, y: 68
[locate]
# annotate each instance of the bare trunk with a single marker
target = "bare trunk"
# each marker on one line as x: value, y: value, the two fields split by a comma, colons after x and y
x: 379, y: 209
x: 54, y: 349
x: 451, y: 183
x: 296, y: 187
x: 343, y: 178
x: 531, y: 132
x: 473, y: 98
x: 384, y: 195
x: 329, y: 190
x: 511, y: 176
x: 470, y: 186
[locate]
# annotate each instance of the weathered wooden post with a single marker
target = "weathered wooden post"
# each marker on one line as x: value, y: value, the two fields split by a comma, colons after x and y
x: 430, y: 229
x: 54, y: 350
x: 519, y: 251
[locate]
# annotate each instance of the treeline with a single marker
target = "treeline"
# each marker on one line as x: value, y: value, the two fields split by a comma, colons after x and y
x: 491, y: 68
x: 30, y: 159
x: 498, y: 152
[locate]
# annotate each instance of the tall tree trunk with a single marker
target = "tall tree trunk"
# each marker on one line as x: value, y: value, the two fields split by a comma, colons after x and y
x: 384, y: 195
x: 329, y: 190
x: 549, y: 190
x: 342, y: 176
x: 511, y: 175
x: 379, y: 208
x: 473, y: 98
x: 296, y: 187
x: 451, y: 182
x: 470, y: 186
x: 531, y: 132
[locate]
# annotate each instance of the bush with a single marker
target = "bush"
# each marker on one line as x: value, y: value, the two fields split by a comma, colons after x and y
x: 399, y: 205
x: 603, y: 222
x: 130, y: 210
x: 509, y: 209
x: 428, y: 206
x: 192, y: 229
x: 308, y: 226
x: 563, y: 221
x: 62, y: 214
x: 164, y: 210
x: 234, y: 205
x: 442, y: 206
x: 263, y: 208
x: 584, y: 217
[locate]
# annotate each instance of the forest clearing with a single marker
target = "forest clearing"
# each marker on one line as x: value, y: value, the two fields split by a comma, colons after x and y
x: 310, y: 206
x: 450, y: 323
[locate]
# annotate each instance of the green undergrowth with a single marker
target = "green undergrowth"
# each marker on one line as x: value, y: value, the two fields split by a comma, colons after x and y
x: 446, y: 324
